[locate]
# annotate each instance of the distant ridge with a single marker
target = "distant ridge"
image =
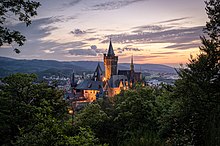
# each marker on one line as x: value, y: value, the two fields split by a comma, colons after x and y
x: 64, y: 68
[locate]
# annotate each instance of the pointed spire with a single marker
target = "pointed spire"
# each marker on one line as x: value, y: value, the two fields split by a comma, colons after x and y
x: 132, y: 64
x: 98, y: 73
x: 110, y: 49
x: 98, y: 68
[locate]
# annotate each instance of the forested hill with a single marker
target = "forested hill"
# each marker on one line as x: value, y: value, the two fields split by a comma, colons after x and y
x: 51, y: 67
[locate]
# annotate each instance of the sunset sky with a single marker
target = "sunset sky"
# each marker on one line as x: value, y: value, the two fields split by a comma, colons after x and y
x: 154, y: 31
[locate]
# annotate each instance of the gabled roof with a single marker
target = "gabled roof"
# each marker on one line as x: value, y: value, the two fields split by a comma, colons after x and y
x: 110, y: 50
x: 90, y: 85
x: 126, y: 73
x: 114, y: 81
x: 98, y: 73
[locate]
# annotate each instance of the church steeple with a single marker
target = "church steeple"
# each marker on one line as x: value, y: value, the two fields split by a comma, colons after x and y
x: 110, y: 49
x: 110, y: 62
x: 132, y: 64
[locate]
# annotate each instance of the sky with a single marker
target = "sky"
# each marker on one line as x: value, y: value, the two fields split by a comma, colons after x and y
x: 153, y: 31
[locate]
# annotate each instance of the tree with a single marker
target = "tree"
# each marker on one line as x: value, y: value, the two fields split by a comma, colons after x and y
x: 197, y: 122
x: 93, y: 117
x: 24, y: 10
x: 35, y: 114
x: 213, y: 25
x: 135, y: 117
x: 26, y: 106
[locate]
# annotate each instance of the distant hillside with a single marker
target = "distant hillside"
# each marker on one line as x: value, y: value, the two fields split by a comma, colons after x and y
x: 62, y: 68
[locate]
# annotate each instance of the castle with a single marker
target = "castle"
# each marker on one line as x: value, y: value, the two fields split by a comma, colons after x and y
x: 109, y: 84
x: 117, y: 80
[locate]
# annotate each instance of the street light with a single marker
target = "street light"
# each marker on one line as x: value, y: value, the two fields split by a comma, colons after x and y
x: 71, y: 112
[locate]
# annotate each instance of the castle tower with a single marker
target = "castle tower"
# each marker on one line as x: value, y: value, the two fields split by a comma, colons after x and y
x: 110, y: 62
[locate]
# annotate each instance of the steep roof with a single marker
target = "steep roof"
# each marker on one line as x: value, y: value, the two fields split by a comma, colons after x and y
x: 98, y: 69
x: 98, y: 73
x: 90, y: 85
x: 110, y: 50
x: 126, y: 73
x: 115, y: 80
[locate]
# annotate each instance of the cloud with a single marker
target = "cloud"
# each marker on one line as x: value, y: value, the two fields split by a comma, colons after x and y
x: 93, y: 47
x: 36, y: 46
x: 127, y: 48
x: 183, y: 46
x: 174, y: 20
x: 82, y: 52
x: 48, y: 51
x: 164, y: 53
x: 78, y: 32
x: 185, y: 35
x: 150, y: 28
x: 97, y: 50
x: 76, y: 44
x: 92, y: 39
x: 68, y: 18
x: 38, y: 29
x: 72, y: 3
x: 141, y: 58
x: 114, y: 4
x: 93, y: 51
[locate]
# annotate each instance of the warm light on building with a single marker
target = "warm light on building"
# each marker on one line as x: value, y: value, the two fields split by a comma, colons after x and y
x: 70, y: 111
x: 90, y: 95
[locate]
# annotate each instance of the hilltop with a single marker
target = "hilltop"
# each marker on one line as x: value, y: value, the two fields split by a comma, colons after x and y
x: 65, y: 68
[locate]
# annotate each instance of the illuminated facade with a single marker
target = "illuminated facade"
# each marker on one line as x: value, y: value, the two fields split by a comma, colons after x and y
x: 111, y: 83
x: 110, y: 62
x: 117, y: 80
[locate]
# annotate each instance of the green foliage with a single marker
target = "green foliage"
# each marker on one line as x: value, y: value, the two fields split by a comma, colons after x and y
x: 35, y: 114
x: 25, y: 104
x: 146, y: 139
x: 136, y: 111
x: 47, y: 132
x: 92, y: 116
x: 24, y: 10
x: 84, y: 138
x: 213, y: 25
x: 131, y: 117
x: 52, y: 133
x: 196, y: 120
